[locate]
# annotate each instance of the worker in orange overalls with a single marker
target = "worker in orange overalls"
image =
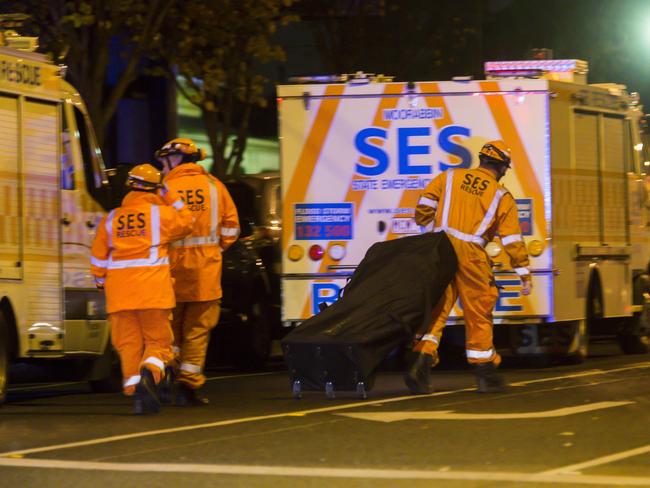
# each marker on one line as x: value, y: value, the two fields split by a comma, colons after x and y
x: 196, y: 264
x: 130, y: 262
x: 470, y: 206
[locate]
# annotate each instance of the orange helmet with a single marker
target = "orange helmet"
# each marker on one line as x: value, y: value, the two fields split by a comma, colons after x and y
x: 495, y: 152
x: 183, y: 146
x: 144, y: 177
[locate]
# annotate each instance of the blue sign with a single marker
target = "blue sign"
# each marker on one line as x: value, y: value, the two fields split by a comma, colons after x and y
x: 525, y: 212
x: 326, y: 293
x: 323, y: 221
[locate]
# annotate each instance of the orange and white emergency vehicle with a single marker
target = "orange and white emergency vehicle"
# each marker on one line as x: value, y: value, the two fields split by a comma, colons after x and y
x: 52, y: 181
x: 357, y: 151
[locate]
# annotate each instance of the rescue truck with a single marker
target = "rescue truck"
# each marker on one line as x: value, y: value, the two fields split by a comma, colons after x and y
x: 357, y: 150
x: 53, y: 192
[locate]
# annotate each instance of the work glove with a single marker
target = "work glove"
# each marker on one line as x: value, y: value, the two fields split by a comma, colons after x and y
x: 526, y: 286
x: 168, y: 197
x: 99, y: 285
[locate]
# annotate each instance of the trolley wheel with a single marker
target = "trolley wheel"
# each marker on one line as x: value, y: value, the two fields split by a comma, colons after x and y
x: 296, y: 390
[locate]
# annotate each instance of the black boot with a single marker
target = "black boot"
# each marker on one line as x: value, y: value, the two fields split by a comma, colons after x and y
x: 166, y: 386
x: 188, y: 397
x: 488, y: 379
x: 418, y: 374
x: 145, y: 399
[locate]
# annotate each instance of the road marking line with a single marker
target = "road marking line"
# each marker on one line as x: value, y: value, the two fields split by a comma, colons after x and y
x: 71, y: 383
x: 575, y: 468
x: 221, y: 423
x: 355, y: 473
x: 451, y: 415
x: 643, y: 365
x: 41, y: 387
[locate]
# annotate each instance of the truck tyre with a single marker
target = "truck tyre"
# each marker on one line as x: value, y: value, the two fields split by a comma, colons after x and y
x: 253, y: 336
x: 579, y: 347
x: 631, y: 344
x: 633, y: 334
x: 5, y: 353
x: 106, y: 373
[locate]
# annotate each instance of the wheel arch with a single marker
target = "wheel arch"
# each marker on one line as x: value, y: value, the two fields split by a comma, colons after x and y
x: 594, y: 304
x: 7, y: 310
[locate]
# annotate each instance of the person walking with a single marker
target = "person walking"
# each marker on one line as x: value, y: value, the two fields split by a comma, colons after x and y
x: 196, y: 264
x: 471, y: 207
x: 130, y: 263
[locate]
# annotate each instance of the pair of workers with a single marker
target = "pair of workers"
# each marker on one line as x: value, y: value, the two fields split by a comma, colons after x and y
x: 159, y: 254
x: 471, y: 207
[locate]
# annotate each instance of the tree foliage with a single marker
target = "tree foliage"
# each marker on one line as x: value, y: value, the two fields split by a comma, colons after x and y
x: 83, y: 34
x: 408, y: 39
x: 213, y: 49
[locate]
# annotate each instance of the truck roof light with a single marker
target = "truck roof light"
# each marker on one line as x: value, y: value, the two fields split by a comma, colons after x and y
x: 572, y: 70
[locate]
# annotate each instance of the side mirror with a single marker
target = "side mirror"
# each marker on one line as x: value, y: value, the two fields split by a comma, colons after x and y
x: 117, y: 184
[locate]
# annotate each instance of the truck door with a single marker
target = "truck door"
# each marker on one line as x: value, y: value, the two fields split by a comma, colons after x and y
x: 86, y: 329
x: 42, y: 235
x: 11, y: 239
x: 601, y: 156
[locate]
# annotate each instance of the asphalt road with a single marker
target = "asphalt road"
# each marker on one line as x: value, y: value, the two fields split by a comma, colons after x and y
x: 556, y: 426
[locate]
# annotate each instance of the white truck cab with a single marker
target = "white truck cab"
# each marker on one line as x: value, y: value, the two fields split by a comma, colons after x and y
x: 53, y: 193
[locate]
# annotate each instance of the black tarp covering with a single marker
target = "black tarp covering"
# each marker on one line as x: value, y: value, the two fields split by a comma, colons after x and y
x: 388, y: 299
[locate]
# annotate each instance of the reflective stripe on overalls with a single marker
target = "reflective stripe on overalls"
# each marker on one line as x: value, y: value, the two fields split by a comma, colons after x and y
x: 212, y: 238
x: 476, y: 237
x: 152, y: 260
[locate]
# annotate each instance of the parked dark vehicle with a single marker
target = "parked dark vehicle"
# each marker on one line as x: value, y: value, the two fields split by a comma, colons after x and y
x: 251, y: 276
x: 250, y: 316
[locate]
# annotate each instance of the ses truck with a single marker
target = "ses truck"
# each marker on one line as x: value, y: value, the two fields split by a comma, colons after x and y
x: 53, y: 192
x: 356, y: 153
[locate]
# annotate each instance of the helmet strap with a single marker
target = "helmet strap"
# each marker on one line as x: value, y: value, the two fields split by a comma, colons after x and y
x: 170, y: 161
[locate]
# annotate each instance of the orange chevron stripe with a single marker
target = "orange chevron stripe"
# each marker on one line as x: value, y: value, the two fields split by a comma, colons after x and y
x: 356, y: 197
x: 410, y: 197
x: 308, y: 158
x: 521, y: 162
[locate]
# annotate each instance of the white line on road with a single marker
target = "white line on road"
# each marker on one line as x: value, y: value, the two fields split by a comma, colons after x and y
x: 307, y: 472
x: 71, y: 383
x: 42, y: 387
x: 221, y: 423
x: 451, y: 415
x: 575, y: 468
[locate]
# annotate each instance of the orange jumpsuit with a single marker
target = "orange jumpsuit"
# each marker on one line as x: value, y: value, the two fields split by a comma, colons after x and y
x: 130, y: 259
x: 196, y: 265
x: 471, y: 207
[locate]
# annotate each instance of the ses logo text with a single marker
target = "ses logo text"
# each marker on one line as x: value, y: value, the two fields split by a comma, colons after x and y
x: 509, y: 295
